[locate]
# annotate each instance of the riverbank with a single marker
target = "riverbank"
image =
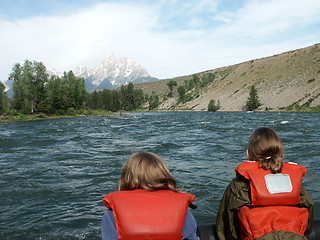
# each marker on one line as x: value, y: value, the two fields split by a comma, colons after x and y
x: 19, y: 117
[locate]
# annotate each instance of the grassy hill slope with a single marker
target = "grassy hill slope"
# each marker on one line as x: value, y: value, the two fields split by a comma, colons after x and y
x: 288, y: 80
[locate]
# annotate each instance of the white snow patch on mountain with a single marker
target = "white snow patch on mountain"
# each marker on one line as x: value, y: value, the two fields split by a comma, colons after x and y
x: 110, y: 73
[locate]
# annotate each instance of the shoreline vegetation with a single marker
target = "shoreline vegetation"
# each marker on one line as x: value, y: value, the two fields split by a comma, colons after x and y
x: 286, y: 82
x: 19, y: 117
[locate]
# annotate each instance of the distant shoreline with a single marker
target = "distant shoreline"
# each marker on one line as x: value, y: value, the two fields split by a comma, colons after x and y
x: 5, y: 118
x: 41, y: 116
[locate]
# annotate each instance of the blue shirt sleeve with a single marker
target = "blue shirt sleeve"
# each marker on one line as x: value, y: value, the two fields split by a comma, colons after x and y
x: 189, y: 229
x: 109, y: 229
x: 108, y: 226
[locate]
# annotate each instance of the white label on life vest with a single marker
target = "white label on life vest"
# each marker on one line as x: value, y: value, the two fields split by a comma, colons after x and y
x: 278, y: 183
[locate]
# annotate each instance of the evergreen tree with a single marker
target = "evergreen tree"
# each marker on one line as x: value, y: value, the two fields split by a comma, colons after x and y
x: 138, y: 98
x: 123, y: 97
x: 196, y: 80
x: 131, y: 98
x: 106, y: 99
x: 94, y: 100
x: 182, y: 93
x: 171, y: 84
x: 80, y: 93
x: 76, y: 90
x: 190, y: 84
x: 116, y: 102
x: 193, y: 82
x: 212, y: 106
x: 253, y: 101
x: 207, y: 78
x: 39, y: 87
x: 153, y: 101
x: 57, y: 95
x: 17, y: 87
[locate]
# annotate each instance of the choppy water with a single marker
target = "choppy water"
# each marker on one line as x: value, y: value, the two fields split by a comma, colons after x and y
x: 54, y: 173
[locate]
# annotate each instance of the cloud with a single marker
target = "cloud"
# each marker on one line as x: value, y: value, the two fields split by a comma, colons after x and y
x: 267, y: 18
x: 224, y: 17
x: 64, y: 41
x: 169, y: 38
x: 264, y: 28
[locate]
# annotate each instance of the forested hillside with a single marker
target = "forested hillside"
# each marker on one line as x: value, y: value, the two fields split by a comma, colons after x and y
x: 287, y: 81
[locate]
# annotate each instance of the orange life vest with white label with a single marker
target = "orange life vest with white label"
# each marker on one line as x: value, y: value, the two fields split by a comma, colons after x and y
x: 274, y: 201
x: 142, y: 214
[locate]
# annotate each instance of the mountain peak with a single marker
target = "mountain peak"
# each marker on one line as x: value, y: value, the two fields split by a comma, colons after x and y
x: 81, y: 71
x: 112, y: 72
x: 109, y: 59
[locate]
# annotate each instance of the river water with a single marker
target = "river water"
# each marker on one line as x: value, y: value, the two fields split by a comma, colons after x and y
x: 54, y: 173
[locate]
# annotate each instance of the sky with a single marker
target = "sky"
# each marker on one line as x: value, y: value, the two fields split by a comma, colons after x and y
x: 168, y: 38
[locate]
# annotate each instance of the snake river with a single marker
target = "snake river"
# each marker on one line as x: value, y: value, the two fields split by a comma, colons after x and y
x: 55, y: 173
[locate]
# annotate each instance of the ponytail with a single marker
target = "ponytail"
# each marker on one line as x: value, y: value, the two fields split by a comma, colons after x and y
x: 266, y: 147
x: 272, y: 163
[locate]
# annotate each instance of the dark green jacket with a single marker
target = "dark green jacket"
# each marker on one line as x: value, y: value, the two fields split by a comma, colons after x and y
x: 238, y: 195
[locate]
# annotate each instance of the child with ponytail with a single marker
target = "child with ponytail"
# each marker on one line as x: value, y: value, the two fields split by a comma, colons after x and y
x: 266, y: 200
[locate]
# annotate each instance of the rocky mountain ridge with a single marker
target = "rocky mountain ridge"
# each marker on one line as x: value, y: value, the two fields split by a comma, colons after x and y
x: 112, y: 73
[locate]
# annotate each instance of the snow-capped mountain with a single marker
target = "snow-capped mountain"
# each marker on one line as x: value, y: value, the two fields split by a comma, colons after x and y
x: 7, y: 85
x: 109, y: 74
x: 8, y: 88
x: 112, y: 73
x: 54, y: 72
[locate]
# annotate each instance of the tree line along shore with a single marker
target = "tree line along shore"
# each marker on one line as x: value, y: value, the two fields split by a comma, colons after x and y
x: 38, y: 96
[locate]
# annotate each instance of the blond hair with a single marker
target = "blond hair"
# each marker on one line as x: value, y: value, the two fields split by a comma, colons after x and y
x: 145, y: 170
x: 266, y: 147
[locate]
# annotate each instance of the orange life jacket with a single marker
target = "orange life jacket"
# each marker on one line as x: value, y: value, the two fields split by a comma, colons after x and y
x: 274, y: 201
x: 142, y: 214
